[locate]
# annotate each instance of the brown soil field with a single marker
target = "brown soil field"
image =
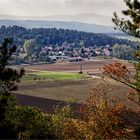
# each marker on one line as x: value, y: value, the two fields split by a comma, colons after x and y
x: 49, y: 84
x: 62, y: 90
x: 88, y: 66
x: 56, y: 91
x: 46, y: 105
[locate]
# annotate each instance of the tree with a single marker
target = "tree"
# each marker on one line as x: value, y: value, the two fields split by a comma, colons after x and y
x: 8, y: 79
x: 123, y: 51
x: 18, y: 122
x: 31, y: 123
x: 132, y: 25
x: 100, y: 117
x: 8, y: 76
x: 118, y: 71
x: 29, y: 46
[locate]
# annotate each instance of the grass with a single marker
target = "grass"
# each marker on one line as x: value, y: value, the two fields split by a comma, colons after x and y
x: 56, y: 76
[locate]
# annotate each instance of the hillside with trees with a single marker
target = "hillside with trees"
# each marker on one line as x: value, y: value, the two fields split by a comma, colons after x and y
x: 56, y: 37
x: 80, y: 26
x: 49, y: 44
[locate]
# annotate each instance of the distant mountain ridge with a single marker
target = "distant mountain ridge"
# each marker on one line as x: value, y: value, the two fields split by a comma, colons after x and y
x: 59, y: 24
x: 90, y: 18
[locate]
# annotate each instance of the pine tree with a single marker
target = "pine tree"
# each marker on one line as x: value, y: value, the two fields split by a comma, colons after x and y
x: 131, y: 25
x: 8, y: 76
x: 8, y: 80
x: 118, y: 71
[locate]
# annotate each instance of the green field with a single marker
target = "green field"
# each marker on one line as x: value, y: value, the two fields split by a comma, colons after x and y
x: 131, y: 38
x: 49, y: 76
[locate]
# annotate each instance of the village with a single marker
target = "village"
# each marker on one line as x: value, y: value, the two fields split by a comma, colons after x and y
x: 68, y: 53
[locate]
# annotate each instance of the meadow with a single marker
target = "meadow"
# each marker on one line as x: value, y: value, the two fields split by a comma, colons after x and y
x: 50, y: 76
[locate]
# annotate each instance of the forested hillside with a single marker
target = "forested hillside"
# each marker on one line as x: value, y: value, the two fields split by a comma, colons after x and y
x: 85, y: 27
x: 56, y: 37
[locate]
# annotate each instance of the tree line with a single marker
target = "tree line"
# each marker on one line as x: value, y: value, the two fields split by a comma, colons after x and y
x: 56, y: 37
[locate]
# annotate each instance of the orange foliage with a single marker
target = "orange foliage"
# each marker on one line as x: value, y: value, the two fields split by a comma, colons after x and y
x: 100, y: 118
x: 117, y: 71
x: 120, y: 73
x: 102, y: 115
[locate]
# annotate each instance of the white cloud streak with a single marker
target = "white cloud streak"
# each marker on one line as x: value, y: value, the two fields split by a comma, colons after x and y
x: 59, y: 7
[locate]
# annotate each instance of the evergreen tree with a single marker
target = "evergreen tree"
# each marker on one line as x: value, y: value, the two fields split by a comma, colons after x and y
x: 8, y: 79
x: 118, y: 71
x: 18, y: 122
x: 130, y: 26
x: 8, y: 76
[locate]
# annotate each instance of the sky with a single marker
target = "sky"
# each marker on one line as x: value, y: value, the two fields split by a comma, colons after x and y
x: 59, y: 7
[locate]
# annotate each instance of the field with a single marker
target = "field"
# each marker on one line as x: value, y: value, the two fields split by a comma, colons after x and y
x: 131, y: 38
x: 51, y: 76
x: 50, y: 83
x: 94, y: 65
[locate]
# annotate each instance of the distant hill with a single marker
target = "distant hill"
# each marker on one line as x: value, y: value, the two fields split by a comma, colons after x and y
x: 56, y: 37
x: 91, y: 18
x: 59, y: 24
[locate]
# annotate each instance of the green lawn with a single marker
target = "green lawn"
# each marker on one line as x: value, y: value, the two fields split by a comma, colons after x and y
x: 45, y: 76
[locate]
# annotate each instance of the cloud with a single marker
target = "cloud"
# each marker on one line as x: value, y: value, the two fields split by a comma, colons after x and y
x: 56, y: 7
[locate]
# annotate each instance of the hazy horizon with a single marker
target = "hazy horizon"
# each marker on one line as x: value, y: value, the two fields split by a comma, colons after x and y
x: 48, y: 8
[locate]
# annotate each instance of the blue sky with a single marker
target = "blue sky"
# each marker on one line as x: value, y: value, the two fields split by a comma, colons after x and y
x: 59, y: 7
